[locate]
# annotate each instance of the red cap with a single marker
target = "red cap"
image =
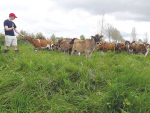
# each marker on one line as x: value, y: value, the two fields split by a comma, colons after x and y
x: 12, y: 14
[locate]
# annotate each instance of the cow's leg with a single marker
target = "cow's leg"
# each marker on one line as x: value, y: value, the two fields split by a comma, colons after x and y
x: 48, y: 47
x: 90, y: 54
x: 68, y: 51
x: 39, y: 48
x: 87, y: 53
x: 72, y: 52
x: 76, y: 52
x: 147, y: 53
x: 36, y: 50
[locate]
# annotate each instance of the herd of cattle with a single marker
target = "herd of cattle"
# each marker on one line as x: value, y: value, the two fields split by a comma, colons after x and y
x: 88, y: 46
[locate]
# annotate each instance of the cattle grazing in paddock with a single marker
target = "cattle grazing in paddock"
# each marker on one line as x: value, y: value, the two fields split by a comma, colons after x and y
x: 39, y: 43
x: 108, y: 46
x: 86, y: 46
x: 147, y: 49
x: 65, y: 45
x: 141, y: 48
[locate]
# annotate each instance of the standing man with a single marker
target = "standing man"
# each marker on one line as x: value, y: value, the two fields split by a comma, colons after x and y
x: 10, y: 38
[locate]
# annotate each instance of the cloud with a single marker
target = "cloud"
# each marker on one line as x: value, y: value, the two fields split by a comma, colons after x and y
x: 138, y: 8
x: 70, y: 18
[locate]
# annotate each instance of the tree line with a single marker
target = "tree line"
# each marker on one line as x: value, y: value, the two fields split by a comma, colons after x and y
x: 21, y: 40
x: 113, y: 34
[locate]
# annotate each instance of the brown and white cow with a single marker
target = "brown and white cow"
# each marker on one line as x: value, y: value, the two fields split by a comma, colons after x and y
x: 86, y: 46
x: 40, y: 43
x: 130, y: 47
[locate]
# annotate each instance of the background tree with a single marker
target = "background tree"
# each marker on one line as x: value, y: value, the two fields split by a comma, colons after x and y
x: 140, y: 41
x: 108, y: 31
x: 2, y: 39
x: 101, y: 24
x: 39, y: 35
x: 134, y: 34
x: 116, y: 35
x: 146, y: 36
x: 53, y: 38
x: 22, y: 40
x: 82, y: 37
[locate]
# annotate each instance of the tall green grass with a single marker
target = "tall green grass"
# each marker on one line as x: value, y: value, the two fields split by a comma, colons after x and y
x: 49, y: 82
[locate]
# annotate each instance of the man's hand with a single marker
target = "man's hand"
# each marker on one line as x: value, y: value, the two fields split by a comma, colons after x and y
x: 23, y: 36
x: 12, y: 26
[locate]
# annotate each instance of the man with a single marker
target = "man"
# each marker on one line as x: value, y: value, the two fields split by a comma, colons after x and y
x: 10, y: 38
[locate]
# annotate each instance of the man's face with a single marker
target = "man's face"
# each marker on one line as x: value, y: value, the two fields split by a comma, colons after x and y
x: 12, y: 18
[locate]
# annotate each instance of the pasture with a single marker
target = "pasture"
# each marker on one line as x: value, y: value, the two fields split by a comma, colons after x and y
x: 51, y: 82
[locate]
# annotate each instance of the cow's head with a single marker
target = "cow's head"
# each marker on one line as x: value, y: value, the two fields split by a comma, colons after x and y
x: 102, y: 44
x: 126, y: 42
x: 28, y: 37
x: 59, y: 41
x: 130, y: 45
x: 143, y: 48
x: 72, y: 41
x: 119, y: 46
x: 97, y: 38
x: 98, y: 47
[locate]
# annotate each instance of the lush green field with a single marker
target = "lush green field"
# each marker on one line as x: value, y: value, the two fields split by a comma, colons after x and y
x: 51, y: 82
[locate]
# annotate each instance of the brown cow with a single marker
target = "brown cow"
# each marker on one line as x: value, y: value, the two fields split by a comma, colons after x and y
x: 65, y: 45
x: 86, y: 46
x: 120, y: 47
x: 99, y: 46
x: 39, y: 44
x: 108, y: 46
x: 141, y: 48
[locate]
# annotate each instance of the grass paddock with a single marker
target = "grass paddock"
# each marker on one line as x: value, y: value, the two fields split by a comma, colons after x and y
x: 49, y: 82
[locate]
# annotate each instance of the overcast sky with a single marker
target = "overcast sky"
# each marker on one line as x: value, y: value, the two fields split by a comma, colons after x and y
x: 72, y: 18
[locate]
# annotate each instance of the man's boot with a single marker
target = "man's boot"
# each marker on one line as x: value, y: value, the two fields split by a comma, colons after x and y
x: 17, y: 51
x: 6, y: 51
